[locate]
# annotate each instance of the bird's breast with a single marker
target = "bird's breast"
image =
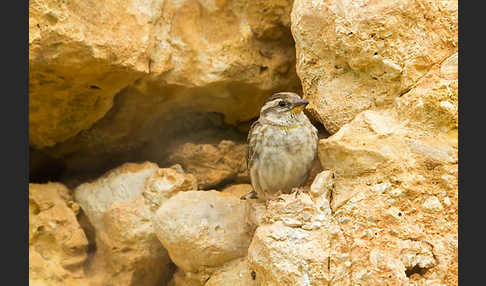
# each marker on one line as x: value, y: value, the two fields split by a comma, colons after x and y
x: 285, y: 156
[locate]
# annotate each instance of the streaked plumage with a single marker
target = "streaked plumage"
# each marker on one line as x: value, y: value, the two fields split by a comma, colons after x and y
x: 282, y: 146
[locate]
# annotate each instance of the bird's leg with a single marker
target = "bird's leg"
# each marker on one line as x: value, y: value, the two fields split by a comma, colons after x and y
x: 250, y: 195
x: 298, y: 191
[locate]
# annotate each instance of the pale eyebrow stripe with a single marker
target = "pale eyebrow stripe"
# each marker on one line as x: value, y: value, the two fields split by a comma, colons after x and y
x: 270, y: 104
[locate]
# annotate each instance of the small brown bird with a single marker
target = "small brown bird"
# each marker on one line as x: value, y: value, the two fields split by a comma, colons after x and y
x: 282, y: 147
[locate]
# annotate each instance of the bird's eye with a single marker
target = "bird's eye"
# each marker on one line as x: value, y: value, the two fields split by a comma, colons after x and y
x: 281, y: 103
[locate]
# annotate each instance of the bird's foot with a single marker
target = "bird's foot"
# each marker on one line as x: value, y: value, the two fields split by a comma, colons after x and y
x: 250, y: 195
x: 298, y: 191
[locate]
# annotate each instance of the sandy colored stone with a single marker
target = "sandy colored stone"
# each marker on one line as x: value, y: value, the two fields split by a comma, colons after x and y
x: 128, y: 251
x: 188, y: 76
x: 299, y: 243
x: 157, y: 57
x: 120, y: 205
x: 199, y: 43
x: 57, y: 244
x: 81, y: 53
x: 211, y: 165
x: 203, y: 229
x: 358, y: 55
x: 236, y: 273
x: 164, y: 183
x: 395, y: 187
x: 432, y: 105
x: 238, y: 190
x: 180, y: 278
x: 322, y: 185
x: 122, y: 184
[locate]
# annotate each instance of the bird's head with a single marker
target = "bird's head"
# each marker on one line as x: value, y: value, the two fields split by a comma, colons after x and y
x: 283, y: 108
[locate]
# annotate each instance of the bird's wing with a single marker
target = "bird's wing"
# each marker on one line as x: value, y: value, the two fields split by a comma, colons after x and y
x: 251, y: 142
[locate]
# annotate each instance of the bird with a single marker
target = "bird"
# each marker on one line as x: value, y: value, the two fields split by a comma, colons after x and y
x: 281, y: 147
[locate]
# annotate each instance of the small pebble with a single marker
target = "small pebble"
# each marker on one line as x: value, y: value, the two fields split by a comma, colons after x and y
x: 447, y: 201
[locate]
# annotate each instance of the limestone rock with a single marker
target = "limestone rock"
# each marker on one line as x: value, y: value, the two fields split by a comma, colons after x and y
x: 57, y: 244
x: 299, y: 243
x: 235, y: 273
x: 181, y: 278
x: 395, y: 186
x: 203, y: 229
x: 159, y: 58
x: 256, y: 208
x: 119, y: 205
x: 353, y: 56
x: 122, y: 184
x: 164, y: 183
x: 81, y: 53
x: 432, y: 104
x: 238, y: 190
x: 210, y: 164
x: 204, y: 42
x: 323, y: 185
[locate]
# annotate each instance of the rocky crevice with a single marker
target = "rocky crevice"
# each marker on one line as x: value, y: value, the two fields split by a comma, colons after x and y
x: 150, y: 139
x: 170, y: 64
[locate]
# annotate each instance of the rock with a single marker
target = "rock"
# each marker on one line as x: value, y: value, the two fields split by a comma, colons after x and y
x: 181, y: 279
x: 57, y: 244
x: 256, y: 208
x: 235, y: 273
x: 353, y: 56
x: 164, y: 183
x: 299, y: 243
x: 200, y: 43
x: 211, y: 165
x: 424, y: 107
x: 119, y: 205
x: 393, y: 168
x: 122, y: 184
x: 161, y: 59
x: 203, y: 229
x: 179, y: 82
x: 77, y: 64
x: 238, y: 190
x: 432, y: 204
x: 322, y: 186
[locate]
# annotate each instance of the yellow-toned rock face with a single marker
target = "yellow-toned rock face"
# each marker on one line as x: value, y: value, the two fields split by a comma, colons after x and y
x: 214, y: 56
x: 57, y: 244
x: 81, y: 53
x: 176, y: 84
x: 119, y: 206
x: 395, y: 189
x: 358, y: 55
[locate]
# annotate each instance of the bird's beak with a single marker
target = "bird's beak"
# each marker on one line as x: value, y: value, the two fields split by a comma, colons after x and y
x: 299, y: 105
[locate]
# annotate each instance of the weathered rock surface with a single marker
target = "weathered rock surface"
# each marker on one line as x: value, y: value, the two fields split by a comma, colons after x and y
x: 236, y: 273
x: 353, y: 56
x: 395, y: 187
x: 81, y: 53
x: 202, y: 230
x: 298, y: 243
x: 176, y: 82
x: 57, y: 244
x: 119, y: 205
x: 238, y: 190
x: 197, y: 43
x: 160, y: 57
x: 212, y: 165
